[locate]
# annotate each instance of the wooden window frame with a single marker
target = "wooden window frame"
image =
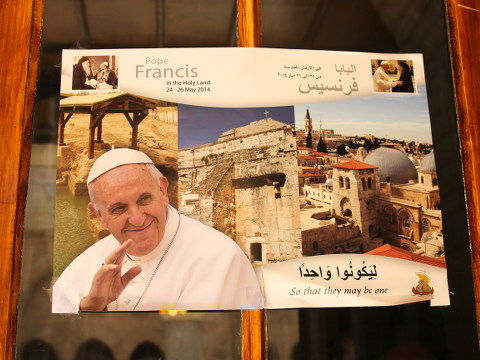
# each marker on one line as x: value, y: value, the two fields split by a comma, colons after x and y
x: 20, y: 28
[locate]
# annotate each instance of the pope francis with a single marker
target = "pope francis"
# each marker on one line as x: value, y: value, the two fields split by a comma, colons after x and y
x: 155, y: 258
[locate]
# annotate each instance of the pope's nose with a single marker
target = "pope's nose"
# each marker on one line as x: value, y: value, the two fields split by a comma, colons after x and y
x: 137, y: 217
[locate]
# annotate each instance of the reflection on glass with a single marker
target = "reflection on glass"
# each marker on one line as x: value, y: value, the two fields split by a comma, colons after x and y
x: 375, y: 333
x: 168, y: 335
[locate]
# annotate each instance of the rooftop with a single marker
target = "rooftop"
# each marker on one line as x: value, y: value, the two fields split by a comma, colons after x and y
x: 255, y: 127
x: 306, y: 157
x: 308, y: 223
x: 354, y: 165
x: 395, y: 252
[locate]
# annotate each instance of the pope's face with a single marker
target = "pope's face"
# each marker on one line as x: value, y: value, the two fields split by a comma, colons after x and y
x: 132, y: 205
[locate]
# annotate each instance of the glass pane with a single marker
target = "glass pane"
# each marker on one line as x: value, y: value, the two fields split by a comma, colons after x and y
x: 41, y: 335
x: 400, y: 332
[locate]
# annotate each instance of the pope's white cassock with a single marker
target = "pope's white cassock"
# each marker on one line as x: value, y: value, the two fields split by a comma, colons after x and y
x: 202, y: 269
x: 382, y: 82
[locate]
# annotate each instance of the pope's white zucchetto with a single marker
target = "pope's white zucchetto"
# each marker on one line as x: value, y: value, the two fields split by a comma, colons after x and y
x: 115, y: 158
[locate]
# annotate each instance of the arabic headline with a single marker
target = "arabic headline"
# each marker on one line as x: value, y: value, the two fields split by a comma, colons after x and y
x: 344, y: 280
x: 368, y: 272
x: 311, y: 78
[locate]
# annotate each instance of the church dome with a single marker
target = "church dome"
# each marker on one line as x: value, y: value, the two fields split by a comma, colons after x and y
x: 392, y: 164
x: 428, y: 163
x: 414, y: 160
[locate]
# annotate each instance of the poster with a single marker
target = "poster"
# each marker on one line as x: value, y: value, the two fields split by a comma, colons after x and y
x: 318, y: 165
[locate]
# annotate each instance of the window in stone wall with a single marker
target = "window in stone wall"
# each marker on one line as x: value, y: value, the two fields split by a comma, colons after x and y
x: 425, y: 225
x: 256, y: 252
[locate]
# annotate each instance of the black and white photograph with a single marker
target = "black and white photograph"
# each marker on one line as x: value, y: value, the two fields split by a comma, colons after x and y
x: 95, y: 73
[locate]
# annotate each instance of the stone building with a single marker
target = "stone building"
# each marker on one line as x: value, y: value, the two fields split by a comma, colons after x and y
x: 245, y: 184
x: 385, y: 197
x: 409, y: 201
x: 355, y: 185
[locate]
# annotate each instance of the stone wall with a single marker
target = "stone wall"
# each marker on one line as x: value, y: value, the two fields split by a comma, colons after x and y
x: 246, y: 187
x: 392, y: 232
x: 331, y: 238
x: 224, y: 209
x: 428, y: 199
x: 212, y: 153
x: 269, y: 211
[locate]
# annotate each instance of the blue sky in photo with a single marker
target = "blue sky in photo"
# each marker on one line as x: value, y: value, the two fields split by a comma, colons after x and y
x: 390, y: 115
x: 198, y: 125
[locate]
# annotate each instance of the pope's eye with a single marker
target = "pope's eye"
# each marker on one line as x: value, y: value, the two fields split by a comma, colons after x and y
x: 117, y: 210
x: 144, y: 199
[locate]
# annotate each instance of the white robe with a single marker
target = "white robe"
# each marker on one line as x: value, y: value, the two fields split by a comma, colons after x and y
x: 382, y: 82
x: 203, y: 270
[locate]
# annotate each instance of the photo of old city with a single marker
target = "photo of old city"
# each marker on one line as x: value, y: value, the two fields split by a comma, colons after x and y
x: 349, y: 176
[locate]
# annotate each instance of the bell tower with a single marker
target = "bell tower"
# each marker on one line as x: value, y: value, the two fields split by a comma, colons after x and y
x: 308, y: 123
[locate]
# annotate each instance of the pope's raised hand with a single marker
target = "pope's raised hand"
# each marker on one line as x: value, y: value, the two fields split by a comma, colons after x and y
x: 108, y: 282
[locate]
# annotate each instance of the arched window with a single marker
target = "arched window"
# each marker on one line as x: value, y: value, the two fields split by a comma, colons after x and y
x: 405, y: 219
x: 347, y: 183
x: 147, y: 350
x: 390, y: 214
x: 94, y: 348
x: 369, y: 182
x: 364, y: 184
x: 37, y: 349
x: 340, y: 181
x: 435, y: 181
x: 371, y: 230
x: 345, y: 206
x: 315, y: 246
x: 421, y: 179
x: 425, y: 225
x: 393, y: 218
x: 256, y: 252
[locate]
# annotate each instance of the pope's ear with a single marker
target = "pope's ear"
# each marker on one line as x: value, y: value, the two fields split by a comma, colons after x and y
x: 96, y: 212
x: 93, y: 210
x: 163, y: 188
x: 163, y: 184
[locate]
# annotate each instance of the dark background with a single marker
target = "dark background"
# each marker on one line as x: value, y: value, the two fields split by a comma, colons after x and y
x: 414, y: 331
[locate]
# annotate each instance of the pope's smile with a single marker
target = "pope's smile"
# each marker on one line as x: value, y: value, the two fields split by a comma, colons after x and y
x: 140, y: 229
